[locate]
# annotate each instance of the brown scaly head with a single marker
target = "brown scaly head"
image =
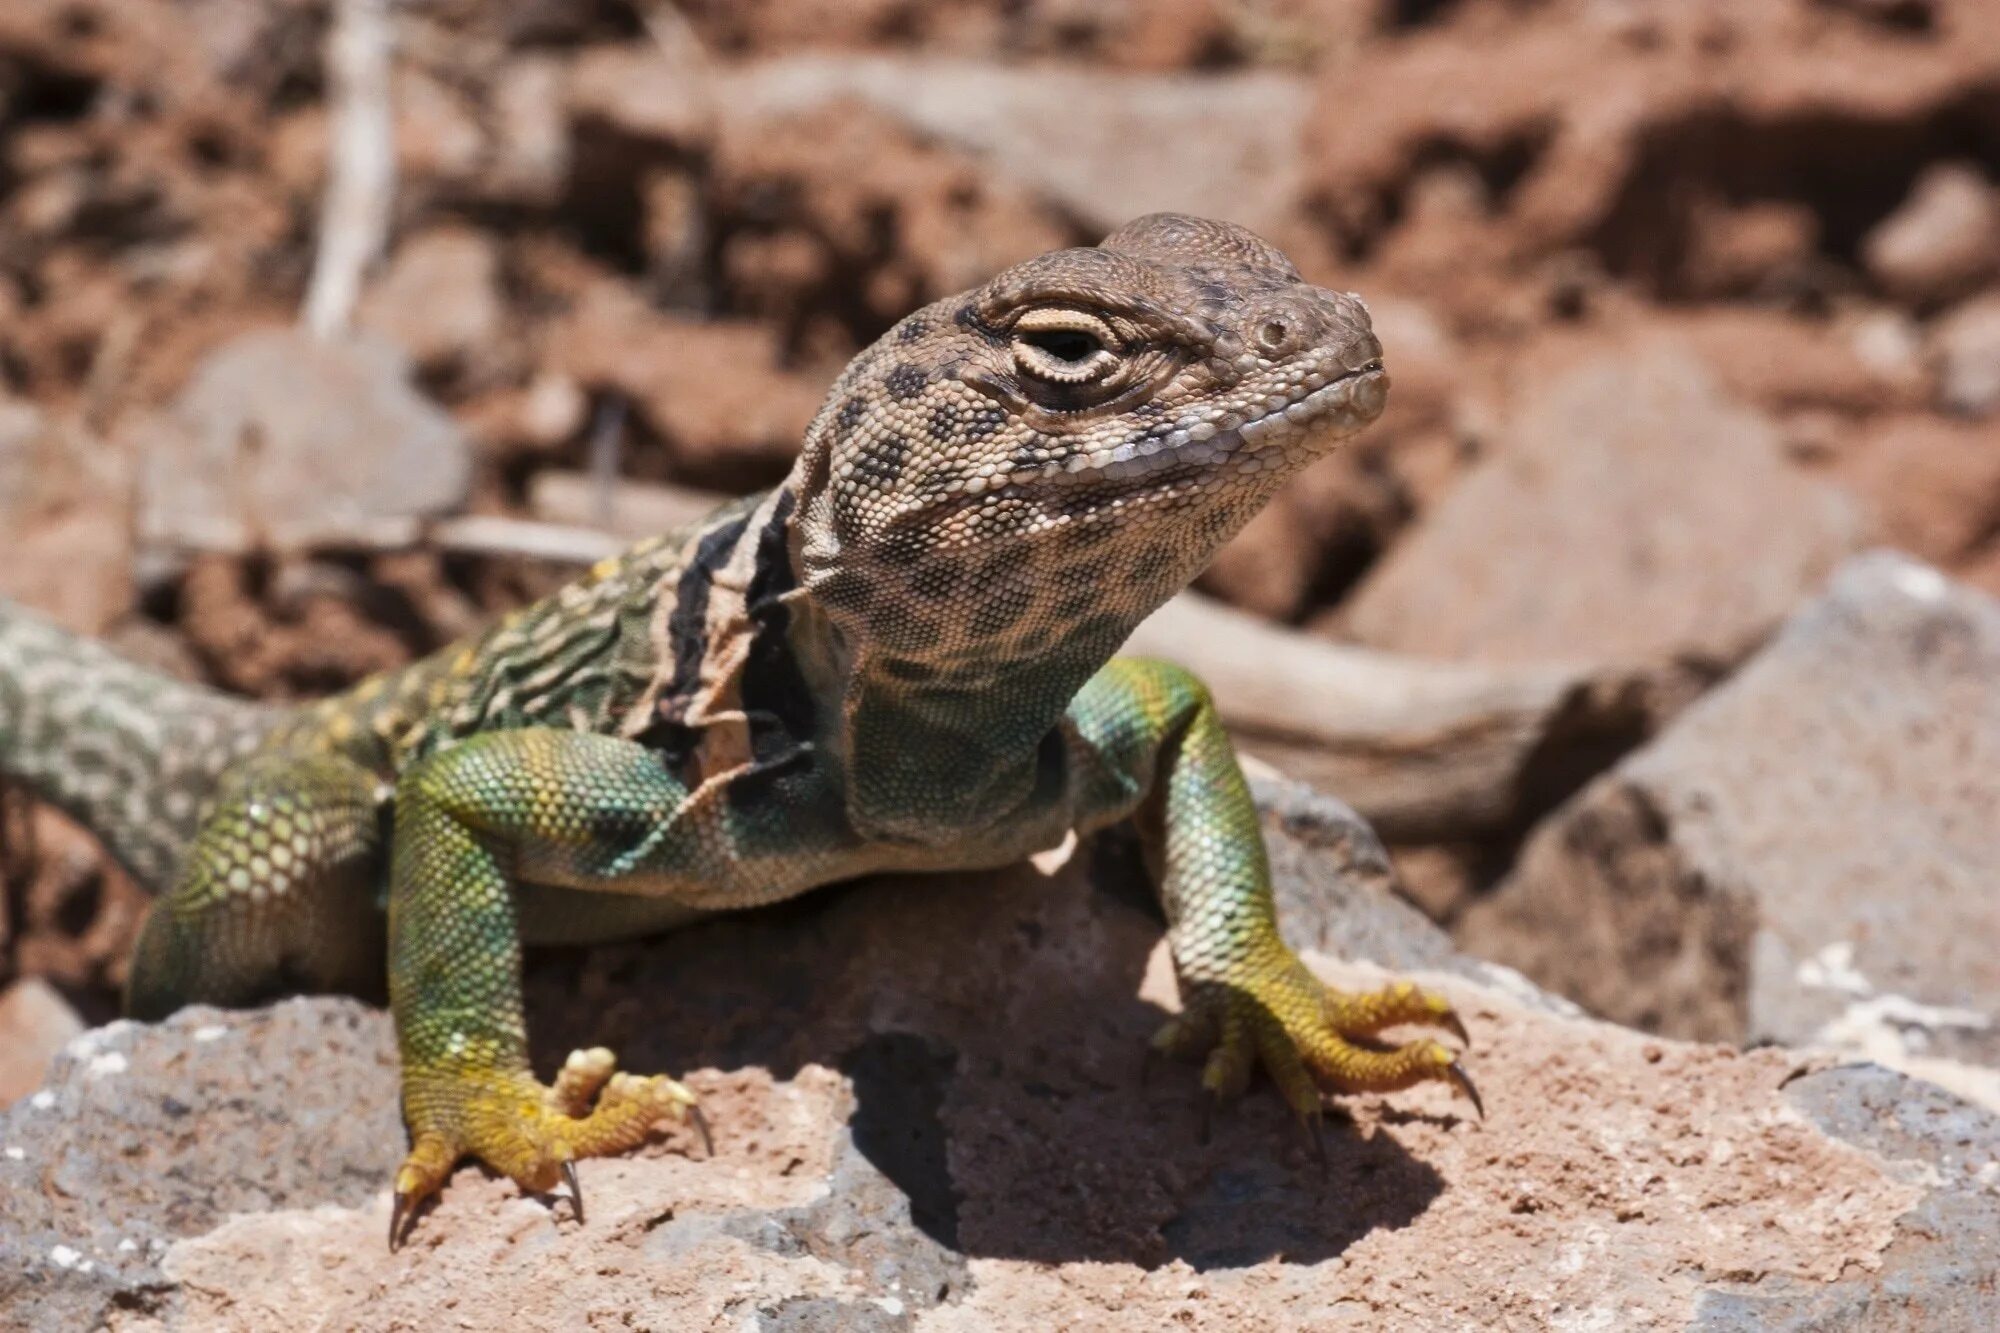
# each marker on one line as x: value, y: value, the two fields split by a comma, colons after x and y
x: 1007, y: 482
x: 1062, y: 449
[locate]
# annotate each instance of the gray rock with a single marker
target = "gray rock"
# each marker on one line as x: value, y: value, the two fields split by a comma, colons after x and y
x: 1646, y: 517
x: 147, y: 1133
x: 1108, y: 145
x: 1809, y: 848
x: 283, y: 439
x: 1938, y: 1274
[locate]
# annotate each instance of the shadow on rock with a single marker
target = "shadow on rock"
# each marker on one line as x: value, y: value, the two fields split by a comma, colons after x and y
x: 993, y: 1034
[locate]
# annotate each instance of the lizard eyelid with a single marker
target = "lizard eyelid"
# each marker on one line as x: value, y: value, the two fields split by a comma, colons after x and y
x: 1064, y: 346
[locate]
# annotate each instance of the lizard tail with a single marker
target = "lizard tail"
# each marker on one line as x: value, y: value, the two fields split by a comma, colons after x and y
x: 130, y: 753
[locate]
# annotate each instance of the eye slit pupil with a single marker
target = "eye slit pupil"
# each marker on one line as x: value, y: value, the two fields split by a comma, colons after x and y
x: 1064, y: 344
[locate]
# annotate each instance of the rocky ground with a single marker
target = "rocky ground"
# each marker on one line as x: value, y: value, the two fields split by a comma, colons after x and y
x: 1688, y: 305
x: 942, y: 1124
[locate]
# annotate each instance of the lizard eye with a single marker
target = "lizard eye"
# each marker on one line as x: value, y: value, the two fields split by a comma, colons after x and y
x: 1071, y: 345
x: 1064, y: 346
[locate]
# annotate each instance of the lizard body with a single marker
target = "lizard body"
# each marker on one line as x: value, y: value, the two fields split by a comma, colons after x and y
x: 902, y: 658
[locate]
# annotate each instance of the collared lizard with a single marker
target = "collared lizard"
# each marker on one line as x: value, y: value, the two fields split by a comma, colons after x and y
x: 901, y: 658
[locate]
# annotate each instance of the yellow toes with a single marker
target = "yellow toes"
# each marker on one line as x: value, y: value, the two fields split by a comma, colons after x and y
x: 578, y: 1081
x: 1311, y: 1039
x: 1395, y: 1004
x: 532, y: 1134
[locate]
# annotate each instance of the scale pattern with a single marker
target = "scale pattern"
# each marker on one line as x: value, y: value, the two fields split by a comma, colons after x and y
x: 902, y: 658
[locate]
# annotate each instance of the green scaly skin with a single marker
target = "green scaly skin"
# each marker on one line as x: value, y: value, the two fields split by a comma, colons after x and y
x: 899, y: 660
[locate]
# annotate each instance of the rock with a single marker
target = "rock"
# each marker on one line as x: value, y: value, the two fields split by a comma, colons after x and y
x: 439, y: 299
x: 65, y: 509
x: 1782, y: 363
x: 1965, y: 345
x: 838, y: 220
x: 1936, y: 1273
x: 1934, y: 484
x: 1108, y: 145
x: 1645, y: 517
x: 282, y: 439
x: 712, y: 390
x: 76, y: 912
x: 145, y: 1134
x: 1804, y: 854
x: 928, y: 1112
x: 35, y: 1022
x: 1897, y: 15
x: 637, y: 90
x: 1761, y: 248
x: 530, y: 141
x: 1942, y: 241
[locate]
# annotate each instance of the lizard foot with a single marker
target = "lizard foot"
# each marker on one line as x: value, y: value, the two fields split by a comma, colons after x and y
x: 531, y: 1133
x: 1304, y: 1033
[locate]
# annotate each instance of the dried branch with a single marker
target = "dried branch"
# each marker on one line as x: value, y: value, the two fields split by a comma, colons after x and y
x: 361, y: 164
x: 1424, y: 749
x: 635, y: 510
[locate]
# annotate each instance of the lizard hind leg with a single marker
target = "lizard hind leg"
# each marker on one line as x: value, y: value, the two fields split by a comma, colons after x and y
x: 276, y: 893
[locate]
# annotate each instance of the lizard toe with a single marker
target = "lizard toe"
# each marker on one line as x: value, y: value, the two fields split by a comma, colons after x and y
x: 531, y: 1133
x: 1313, y: 1040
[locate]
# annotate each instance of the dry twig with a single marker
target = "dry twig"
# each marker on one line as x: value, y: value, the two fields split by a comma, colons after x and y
x: 361, y: 164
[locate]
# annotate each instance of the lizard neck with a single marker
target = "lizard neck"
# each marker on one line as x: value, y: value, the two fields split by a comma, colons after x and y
x: 934, y: 752
x: 933, y: 746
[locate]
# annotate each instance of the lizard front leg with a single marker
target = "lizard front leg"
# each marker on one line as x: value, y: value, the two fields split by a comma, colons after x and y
x: 1153, y: 749
x: 556, y: 807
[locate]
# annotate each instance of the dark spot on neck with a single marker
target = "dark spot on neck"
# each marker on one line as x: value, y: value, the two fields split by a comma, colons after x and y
x: 1152, y: 563
x: 1000, y: 610
x: 904, y: 381
x: 850, y: 415
x: 881, y: 461
x: 938, y: 580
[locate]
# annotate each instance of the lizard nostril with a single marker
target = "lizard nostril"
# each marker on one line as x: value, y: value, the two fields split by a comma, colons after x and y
x: 1271, y: 335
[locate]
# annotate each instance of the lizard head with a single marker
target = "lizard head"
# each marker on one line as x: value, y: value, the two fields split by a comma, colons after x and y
x: 1042, y: 461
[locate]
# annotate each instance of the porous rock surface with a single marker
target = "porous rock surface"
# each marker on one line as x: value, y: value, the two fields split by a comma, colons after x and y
x: 1645, y: 516
x: 930, y: 1114
x: 1806, y: 853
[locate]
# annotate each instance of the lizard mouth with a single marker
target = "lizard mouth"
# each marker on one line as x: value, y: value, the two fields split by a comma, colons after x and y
x: 1323, y: 408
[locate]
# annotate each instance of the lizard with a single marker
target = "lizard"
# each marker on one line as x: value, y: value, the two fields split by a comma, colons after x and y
x: 902, y: 658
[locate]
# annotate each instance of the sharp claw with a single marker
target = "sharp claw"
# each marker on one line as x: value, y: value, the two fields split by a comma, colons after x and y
x: 701, y: 1126
x: 1315, y: 1128
x: 575, y: 1189
x: 1464, y: 1082
x: 399, y: 1212
x: 1456, y: 1027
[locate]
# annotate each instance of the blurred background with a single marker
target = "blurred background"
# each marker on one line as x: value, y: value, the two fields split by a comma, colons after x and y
x: 328, y: 330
